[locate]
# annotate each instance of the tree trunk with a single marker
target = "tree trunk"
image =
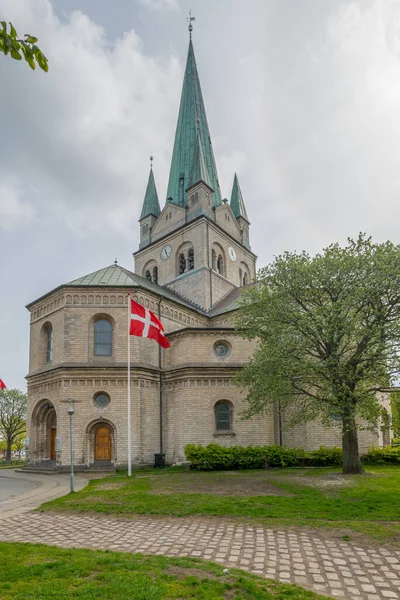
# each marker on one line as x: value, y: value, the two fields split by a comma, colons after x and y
x: 351, y: 457
x: 8, y: 451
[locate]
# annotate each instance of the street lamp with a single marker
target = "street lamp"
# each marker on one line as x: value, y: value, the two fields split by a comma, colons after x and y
x: 70, y: 410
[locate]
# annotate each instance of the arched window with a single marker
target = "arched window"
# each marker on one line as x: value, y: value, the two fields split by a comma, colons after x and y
x: 191, y: 259
x: 240, y: 276
x: 223, y: 416
x: 214, y: 260
x: 148, y: 275
x: 220, y: 264
x: 102, y: 338
x: 49, y: 343
x: 155, y: 274
x: 182, y: 264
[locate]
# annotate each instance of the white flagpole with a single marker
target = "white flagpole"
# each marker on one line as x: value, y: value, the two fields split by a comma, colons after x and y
x: 129, y: 387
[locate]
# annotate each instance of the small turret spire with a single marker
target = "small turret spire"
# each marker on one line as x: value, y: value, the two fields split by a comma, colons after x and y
x: 237, y: 202
x: 151, y: 205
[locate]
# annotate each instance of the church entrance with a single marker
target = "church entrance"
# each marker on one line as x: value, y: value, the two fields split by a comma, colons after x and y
x: 43, y: 433
x: 53, y: 435
x: 102, y: 444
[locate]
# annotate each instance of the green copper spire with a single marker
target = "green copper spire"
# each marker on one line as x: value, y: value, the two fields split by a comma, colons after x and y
x: 237, y: 203
x: 199, y: 171
x: 151, y: 205
x: 192, y: 115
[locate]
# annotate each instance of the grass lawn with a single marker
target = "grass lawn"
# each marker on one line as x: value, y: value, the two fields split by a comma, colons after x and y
x: 367, y: 504
x: 29, y: 571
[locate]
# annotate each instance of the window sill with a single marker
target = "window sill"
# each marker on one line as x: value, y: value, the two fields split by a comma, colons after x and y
x: 222, y: 432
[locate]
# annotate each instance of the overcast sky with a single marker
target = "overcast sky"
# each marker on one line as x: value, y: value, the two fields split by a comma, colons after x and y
x: 302, y: 98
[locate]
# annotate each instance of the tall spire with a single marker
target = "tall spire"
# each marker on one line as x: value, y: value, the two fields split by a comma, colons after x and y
x: 192, y: 115
x: 151, y: 205
x: 199, y: 171
x: 237, y: 202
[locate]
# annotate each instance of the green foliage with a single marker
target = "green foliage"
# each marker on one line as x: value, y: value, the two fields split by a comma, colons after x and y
x: 395, y: 405
x: 12, y: 417
x: 38, y: 571
x: 18, y: 49
x: 387, y: 454
x: 328, y: 331
x: 324, y: 457
x: 218, y: 458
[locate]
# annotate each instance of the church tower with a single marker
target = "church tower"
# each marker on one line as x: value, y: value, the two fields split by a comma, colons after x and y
x: 198, y: 245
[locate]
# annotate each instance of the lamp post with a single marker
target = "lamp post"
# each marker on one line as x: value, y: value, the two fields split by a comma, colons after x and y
x: 70, y: 410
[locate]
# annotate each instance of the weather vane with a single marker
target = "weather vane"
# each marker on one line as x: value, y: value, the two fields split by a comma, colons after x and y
x: 151, y: 162
x: 189, y: 20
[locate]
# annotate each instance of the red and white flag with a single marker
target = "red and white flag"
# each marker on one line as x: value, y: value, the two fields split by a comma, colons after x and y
x: 2, y: 385
x: 144, y: 323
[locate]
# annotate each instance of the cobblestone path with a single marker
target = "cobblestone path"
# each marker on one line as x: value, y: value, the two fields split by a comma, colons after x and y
x: 334, y: 568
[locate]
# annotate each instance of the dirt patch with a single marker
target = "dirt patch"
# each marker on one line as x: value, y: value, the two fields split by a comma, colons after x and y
x: 110, y: 486
x: 333, y: 480
x: 221, y: 486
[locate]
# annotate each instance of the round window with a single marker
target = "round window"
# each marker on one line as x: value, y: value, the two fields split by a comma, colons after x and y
x: 101, y: 401
x: 222, y: 349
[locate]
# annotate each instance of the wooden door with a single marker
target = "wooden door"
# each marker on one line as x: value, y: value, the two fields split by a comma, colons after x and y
x: 53, y: 435
x: 102, y: 449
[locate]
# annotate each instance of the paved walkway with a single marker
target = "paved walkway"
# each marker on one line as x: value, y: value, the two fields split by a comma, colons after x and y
x: 334, y: 568
x: 21, y: 492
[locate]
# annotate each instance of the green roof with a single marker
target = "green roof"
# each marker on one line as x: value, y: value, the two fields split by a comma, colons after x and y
x: 237, y: 202
x: 199, y: 171
x: 192, y: 117
x: 151, y: 205
x: 116, y: 276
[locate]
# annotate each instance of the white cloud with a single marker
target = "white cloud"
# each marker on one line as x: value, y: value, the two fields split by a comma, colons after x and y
x: 160, y: 4
x: 83, y: 132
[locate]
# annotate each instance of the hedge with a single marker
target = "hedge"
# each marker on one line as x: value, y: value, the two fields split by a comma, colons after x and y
x: 218, y: 458
x: 387, y: 454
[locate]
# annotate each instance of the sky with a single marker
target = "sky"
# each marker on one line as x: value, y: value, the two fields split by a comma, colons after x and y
x: 302, y: 99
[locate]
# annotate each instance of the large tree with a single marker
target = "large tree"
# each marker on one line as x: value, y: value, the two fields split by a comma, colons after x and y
x: 17, y: 48
x: 12, y: 417
x: 328, y: 331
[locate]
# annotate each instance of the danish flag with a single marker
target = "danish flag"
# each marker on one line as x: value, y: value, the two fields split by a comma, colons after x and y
x: 2, y: 385
x: 144, y: 323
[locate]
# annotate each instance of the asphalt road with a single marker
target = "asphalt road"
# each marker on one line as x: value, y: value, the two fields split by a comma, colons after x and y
x: 10, y: 487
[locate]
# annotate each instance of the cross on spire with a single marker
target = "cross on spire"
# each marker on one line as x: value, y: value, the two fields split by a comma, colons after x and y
x: 189, y: 20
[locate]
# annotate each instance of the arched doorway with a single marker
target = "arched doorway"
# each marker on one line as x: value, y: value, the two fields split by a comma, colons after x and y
x: 102, y: 443
x: 43, y: 433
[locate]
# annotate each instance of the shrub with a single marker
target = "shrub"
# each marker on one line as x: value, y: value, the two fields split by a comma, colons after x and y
x: 387, y: 454
x: 324, y: 457
x: 215, y: 457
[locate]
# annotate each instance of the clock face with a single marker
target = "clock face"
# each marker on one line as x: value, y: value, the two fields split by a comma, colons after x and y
x: 232, y: 253
x: 166, y: 252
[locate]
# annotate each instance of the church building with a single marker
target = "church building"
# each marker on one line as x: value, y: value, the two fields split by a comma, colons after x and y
x: 193, y: 261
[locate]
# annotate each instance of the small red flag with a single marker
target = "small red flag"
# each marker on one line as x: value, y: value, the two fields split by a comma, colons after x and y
x: 144, y: 323
x: 2, y: 385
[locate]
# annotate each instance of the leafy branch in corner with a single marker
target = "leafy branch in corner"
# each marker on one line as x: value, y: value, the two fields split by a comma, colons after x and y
x: 12, y: 45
